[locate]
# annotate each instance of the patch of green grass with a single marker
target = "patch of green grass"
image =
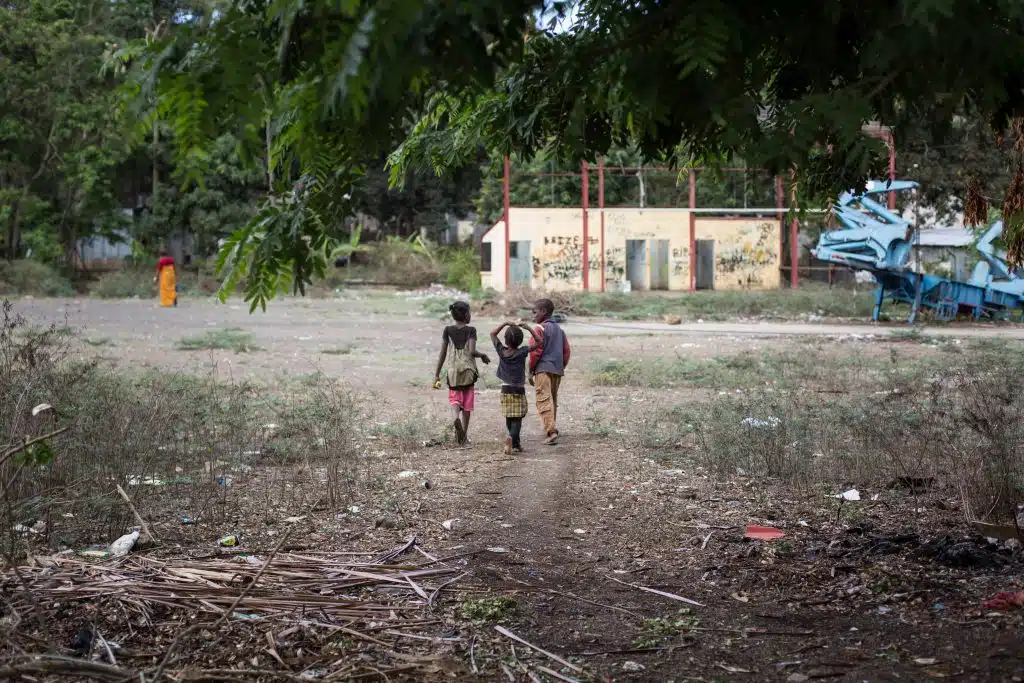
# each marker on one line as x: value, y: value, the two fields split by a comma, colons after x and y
x: 436, y: 306
x: 229, y: 339
x: 907, y: 334
x: 488, y: 609
x: 99, y: 341
x: 339, y: 351
x: 659, y: 630
x: 782, y: 304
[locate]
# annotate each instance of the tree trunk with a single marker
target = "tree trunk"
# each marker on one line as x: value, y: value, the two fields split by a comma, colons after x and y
x: 12, y: 240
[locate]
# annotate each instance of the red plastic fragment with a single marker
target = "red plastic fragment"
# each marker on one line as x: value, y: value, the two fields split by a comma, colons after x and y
x: 762, y: 533
x: 1005, y: 601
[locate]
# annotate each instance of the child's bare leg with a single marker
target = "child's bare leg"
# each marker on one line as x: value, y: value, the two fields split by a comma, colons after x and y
x: 460, y: 430
x: 465, y: 422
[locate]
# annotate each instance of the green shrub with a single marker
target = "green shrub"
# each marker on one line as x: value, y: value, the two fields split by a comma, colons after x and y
x: 462, y: 269
x: 33, y: 278
x: 125, y: 284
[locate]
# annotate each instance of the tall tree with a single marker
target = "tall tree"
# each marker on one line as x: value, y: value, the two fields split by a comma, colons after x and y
x: 59, y: 139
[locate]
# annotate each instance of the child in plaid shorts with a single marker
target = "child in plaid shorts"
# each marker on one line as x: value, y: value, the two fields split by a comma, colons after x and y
x: 512, y: 373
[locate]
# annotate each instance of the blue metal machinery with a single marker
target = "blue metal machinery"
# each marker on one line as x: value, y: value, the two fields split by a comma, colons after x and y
x: 880, y: 241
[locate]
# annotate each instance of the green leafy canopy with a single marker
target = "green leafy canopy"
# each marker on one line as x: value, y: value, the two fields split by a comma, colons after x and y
x: 783, y: 84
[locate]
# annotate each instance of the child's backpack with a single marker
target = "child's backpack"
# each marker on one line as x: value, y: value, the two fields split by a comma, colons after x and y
x: 462, y: 370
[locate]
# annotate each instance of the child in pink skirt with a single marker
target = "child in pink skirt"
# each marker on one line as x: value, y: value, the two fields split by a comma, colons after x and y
x: 462, y: 372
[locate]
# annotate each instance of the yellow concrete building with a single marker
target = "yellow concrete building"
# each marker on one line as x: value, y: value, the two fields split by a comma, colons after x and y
x: 634, y: 249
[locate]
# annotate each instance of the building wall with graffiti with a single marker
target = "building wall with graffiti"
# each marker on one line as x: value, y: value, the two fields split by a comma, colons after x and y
x: 646, y: 248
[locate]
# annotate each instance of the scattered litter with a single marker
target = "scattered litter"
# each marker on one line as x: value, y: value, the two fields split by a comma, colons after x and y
x: 134, y: 480
x: 852, y: 494
x: 803, y: 522
x: 762, y: 533
x: 496, y: 549
x: 95, y: 551
x: 189, y: 520
x: 224, y: 480
x: 37, y: 528
x: 434, y: 291
x: 938, y: 607
x: 1005, y: 601
x: 245, y: 616
x: 408, y: 474
x: 925, y: 661
x: 354, y: 509
x: 449, y: 524
x: 884, y: 610
x: 506, y: 525
x: 733, y: 669
x: 579, y: 531
x: 123, y: 545
x: 633, y: 667
x: 740, y: 597
x: 768, y: 423
x: 293, y: 520
x: 41, y: 408
x: 430, y: 443
x: 229, y: 541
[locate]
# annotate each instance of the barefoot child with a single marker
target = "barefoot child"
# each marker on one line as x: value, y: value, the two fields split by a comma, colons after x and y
x: 462, y: 370
x: 512, y: 373
x: 547, y: 365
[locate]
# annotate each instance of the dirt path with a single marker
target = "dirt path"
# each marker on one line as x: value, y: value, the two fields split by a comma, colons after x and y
x: 560, y: 528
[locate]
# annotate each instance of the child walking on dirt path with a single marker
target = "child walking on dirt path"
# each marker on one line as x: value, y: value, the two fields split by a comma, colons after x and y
x: 458, y: 346
x: 547, y: 366
x: 512, y: 373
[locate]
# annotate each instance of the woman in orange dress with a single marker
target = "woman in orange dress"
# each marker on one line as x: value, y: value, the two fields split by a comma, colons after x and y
x: 167, y: 277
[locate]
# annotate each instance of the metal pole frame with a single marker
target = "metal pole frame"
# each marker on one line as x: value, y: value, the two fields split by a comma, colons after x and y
x: 693, y: 230
x: 600, y: 206
x: 586, y: 227
x: 505, y: 191
x: 794, y: 241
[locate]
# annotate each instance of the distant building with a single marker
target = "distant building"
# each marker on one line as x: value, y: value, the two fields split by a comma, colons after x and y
x: 632, y: 249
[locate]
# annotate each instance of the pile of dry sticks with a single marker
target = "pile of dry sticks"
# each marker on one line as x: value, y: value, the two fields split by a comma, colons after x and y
x: 243, y: 617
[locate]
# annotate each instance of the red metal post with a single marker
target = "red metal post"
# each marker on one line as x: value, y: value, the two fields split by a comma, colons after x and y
x: 505, y: 191
x: 892, y: 168
x: 794, y: 245
x: 693, y: 230
x: 780, y: 204
x: 600, y: 206
x: 586, y: 231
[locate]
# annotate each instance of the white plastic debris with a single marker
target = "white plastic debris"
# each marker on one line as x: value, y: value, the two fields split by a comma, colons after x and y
x: 579, y: 531
x: 852, y: 494
x: 408, y: 474
x: 496, y: 549
x: 449, y: 524
x: 354, y: 509
x: 633, y: 667
x: 767, y: 423
x: 293, y: 520
x: 41, y: 408
x: 123, y: 545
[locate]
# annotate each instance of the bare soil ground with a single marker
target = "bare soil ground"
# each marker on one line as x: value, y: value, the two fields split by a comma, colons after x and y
x: 874, y: 591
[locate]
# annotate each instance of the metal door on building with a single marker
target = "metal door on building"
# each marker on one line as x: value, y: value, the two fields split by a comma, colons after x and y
x: 705, y: 257
x: 636, y: 264
x: 520, y: 268
x: 659, y: 250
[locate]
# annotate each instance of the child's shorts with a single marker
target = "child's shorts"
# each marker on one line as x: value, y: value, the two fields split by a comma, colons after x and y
x: 463, y: 398
x: 513, y: 405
